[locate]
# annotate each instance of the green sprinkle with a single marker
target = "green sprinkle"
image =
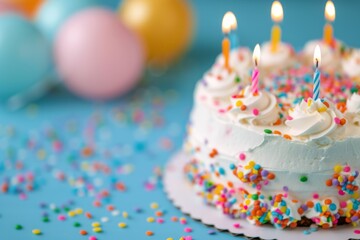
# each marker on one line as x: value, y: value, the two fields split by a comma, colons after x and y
x: 303, y: 179
x: 255, y: 197
x: 237, y: 79
x: 18, y: 227
x: 267, y: 131
x: 76, y: 224
x: 66, y: 209
x: 57, y: 210
x: 46, y: 219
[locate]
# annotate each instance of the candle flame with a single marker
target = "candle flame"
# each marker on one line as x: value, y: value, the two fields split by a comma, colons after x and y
x: 229, y: 22
x: 256, y: 54
x: 317, y: 56
x: 330, y: 12
x: 277, y: 13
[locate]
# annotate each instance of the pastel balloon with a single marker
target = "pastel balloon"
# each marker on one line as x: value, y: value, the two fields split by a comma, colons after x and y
x: 164, y: 26
x: 28, y: 7
x: 97, y: 56
x: 24, y: 55
x: 53, y: 13
x: 6, y: 7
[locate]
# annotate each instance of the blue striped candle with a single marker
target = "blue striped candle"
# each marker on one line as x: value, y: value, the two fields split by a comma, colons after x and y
x: 317, y: 74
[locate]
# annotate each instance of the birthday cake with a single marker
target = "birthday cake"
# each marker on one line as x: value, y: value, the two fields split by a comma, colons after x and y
x: 278, y: 155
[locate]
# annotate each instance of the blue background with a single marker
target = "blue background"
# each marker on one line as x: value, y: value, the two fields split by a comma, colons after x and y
x: 303, y: 21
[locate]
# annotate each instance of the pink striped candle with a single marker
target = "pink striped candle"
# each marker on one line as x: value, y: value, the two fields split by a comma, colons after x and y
x: 255, y: 74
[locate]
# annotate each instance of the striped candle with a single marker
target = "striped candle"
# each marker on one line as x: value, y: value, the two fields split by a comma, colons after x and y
x: 255, y: 81
x: 255, y: 74
x: 317, y: 74
x: 316, y: 93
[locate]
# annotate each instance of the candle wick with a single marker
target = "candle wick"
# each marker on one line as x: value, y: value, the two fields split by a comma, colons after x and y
x: 317, y: 63
x: 256, y: 62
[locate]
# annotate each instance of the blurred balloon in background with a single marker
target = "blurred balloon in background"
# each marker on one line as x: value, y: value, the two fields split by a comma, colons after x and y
x: 97, y: 56
x: 164, y: 26
x: 24, y: 55
x: 53, y: 13
x: 27, y: 7
x: 6, y: 7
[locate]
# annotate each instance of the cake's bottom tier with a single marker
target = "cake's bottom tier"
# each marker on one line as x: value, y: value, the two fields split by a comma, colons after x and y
x: 258, y: 207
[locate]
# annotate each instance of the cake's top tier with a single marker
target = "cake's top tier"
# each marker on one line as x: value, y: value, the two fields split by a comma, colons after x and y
x: 283, y: 107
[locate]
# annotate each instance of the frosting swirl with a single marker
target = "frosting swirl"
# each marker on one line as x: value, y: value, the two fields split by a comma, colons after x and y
x: 318, y: 215
x: 220, y: 83
x: 351, y: 64
x: 312, y: 119
x: 276, y: 60
x: 260, y: 109
x: 240, y: 62
x: 353, y: 109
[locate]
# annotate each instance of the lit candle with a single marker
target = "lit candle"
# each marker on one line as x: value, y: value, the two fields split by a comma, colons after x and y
x: 255, y: 74
x: 330, y: 17
x: 226, y: 46
x: 317, y: 74
x: 277, y: 16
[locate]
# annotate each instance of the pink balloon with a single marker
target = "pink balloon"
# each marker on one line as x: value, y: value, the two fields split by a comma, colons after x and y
x: 6, y: 7
x: 97, y: 56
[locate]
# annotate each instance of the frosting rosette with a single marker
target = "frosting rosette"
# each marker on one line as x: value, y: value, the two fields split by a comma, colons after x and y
x: 313, y: 119
x: 240, y: 62
x: 283, y: 212
x: 324, y: 213
x: 351, y: 64
x: 353, y: 109
x: 254, y: 208
x: 220, y: 82
x: 280, y: 59
x: 256, y: 109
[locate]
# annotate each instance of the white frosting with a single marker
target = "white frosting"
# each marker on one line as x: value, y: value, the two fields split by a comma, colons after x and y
x: 293, y: 213
x: 353, y: 109
x: 330, y: 57
x: 280, y: 59
x: 351, y: 64
x: 220, y: 83
x: 231, y: 138
x: 264, y: 102
x: 313, y: 213
x: 312, y: 120
x: 240, y: 61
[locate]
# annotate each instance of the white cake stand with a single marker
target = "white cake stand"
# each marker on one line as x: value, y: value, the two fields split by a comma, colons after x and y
x: 183, y: 196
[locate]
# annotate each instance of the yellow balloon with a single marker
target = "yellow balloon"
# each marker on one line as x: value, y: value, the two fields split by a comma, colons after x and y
x: 165, y: 27
x: 28, y: 7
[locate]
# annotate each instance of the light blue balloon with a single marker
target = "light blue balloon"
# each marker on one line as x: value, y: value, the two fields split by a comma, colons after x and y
x: 25, y: 55
x: 54, y: 13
